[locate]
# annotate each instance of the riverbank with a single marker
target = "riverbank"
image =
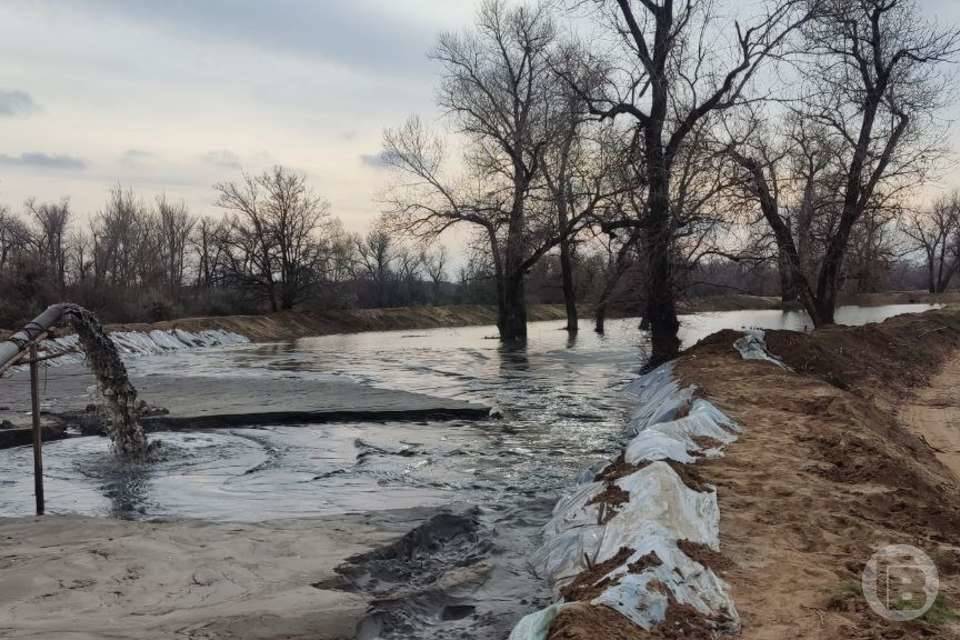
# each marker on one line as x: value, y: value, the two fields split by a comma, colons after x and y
x: 821, y: 475
x: 291, y: 325
x: 75, y: 578
x: 834, y: 462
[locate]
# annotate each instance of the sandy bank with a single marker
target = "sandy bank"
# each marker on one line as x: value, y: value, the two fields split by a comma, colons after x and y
x: 825, y: 474
x: 74, y: 578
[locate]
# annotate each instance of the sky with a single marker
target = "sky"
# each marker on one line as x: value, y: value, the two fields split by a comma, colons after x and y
x: 175, y: 95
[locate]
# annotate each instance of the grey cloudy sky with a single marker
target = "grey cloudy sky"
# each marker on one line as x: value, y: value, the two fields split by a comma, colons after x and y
x: 175, y: 95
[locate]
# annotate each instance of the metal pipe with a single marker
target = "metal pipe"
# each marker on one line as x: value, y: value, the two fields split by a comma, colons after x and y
x: 19, y: 342
x: 37, y: 430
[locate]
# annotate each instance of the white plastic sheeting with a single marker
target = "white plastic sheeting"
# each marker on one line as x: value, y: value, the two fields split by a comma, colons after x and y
x: 138, y: 343
x: 753, y: 346
x: 536, y: 625
x: 675, y: 439
x: 660, y: 512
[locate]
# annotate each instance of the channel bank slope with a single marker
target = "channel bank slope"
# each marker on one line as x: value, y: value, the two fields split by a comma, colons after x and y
x: 828, y: 466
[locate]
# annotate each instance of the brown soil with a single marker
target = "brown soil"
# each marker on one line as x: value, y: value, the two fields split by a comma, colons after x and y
x: 705, y: 555
x: 690, y: 475
x: 616, y: 470
x: 683, y: 622
x: 706, y: 442
x: 290, y: 325
x: 590, y: 583
x: 933, y: 414
x: 597, y: 622
x: 824, y: 474
x: 588, y: 622
x: 644, y: 562
x: 621, y: 469
x: 610, y: 500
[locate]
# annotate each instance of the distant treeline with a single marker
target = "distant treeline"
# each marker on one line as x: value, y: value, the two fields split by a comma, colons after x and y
x: 278, y: 247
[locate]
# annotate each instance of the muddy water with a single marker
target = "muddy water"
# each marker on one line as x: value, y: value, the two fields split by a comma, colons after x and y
x: 563, y: 410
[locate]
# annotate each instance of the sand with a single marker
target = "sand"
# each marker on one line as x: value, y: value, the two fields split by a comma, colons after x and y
x: 821, y: 478
x: 934, y: 415
x: 75, y: 578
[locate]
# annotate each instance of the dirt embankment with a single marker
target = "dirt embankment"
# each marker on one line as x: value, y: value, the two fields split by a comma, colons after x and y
x: 828, y: 471
x: 849, y: 450
x: 289, y: 325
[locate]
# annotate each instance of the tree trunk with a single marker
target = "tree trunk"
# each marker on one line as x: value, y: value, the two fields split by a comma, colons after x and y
x: 569, y: 292
x: 514, y: 305
x: 789, y: 292
x: 661, y: 307
x: 513, y: 310
x: 600, y: 315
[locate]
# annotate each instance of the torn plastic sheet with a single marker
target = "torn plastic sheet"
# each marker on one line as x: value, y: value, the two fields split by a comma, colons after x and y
x: 661, y: 507
x: 536, y: 626
x: 676, y: 440
x: 753, y: 346
x: 640, y: 596
x: 661, y: 510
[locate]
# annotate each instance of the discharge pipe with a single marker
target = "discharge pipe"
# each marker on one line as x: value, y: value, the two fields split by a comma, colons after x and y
x: 104, y: 360
x: 20, y: 342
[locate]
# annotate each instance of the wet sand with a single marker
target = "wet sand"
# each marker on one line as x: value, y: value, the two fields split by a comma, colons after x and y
x: 76, y: 578
x: 825, y: 474
x: 934, y: 415
x: 211, y: 402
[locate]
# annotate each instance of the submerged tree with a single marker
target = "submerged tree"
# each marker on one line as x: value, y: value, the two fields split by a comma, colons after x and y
x: 935, y: 233
x: 872, y: 87
x: 667, y: 79
x: 496, y: 86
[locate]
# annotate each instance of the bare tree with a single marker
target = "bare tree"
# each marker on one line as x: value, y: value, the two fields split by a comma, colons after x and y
x: 14, y: 237
x: 175, y: 226
x: 935, y: 232
x: 496, y: 85
x: 668, y: 79
x: 873, y: 86
x: 52, y: 220
x: 273, y: 235
x: 375, y: 253
x: 578, y: 168
x: 435, y: 264
x: 118, y: 235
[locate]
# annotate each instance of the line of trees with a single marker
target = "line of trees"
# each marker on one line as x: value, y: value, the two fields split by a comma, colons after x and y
x: 677, y: 151
x: 276, y: 247
x: 683, y: 137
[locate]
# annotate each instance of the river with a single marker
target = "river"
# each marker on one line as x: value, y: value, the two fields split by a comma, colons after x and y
x: 563, y: 411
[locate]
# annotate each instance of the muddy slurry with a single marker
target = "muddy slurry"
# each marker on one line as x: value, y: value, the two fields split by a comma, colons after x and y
x: 103, y: 358
x: 461, y: 574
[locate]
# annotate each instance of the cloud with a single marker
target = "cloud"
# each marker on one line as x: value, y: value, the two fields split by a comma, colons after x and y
x: 355, y: 34
x: 222, y: 158
x: 43, y: 160
x: 17, y: 103
x: 376, y: 160
x: 136, y: 155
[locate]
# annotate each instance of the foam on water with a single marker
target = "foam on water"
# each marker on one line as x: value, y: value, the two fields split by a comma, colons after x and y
x: 136, y: 343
